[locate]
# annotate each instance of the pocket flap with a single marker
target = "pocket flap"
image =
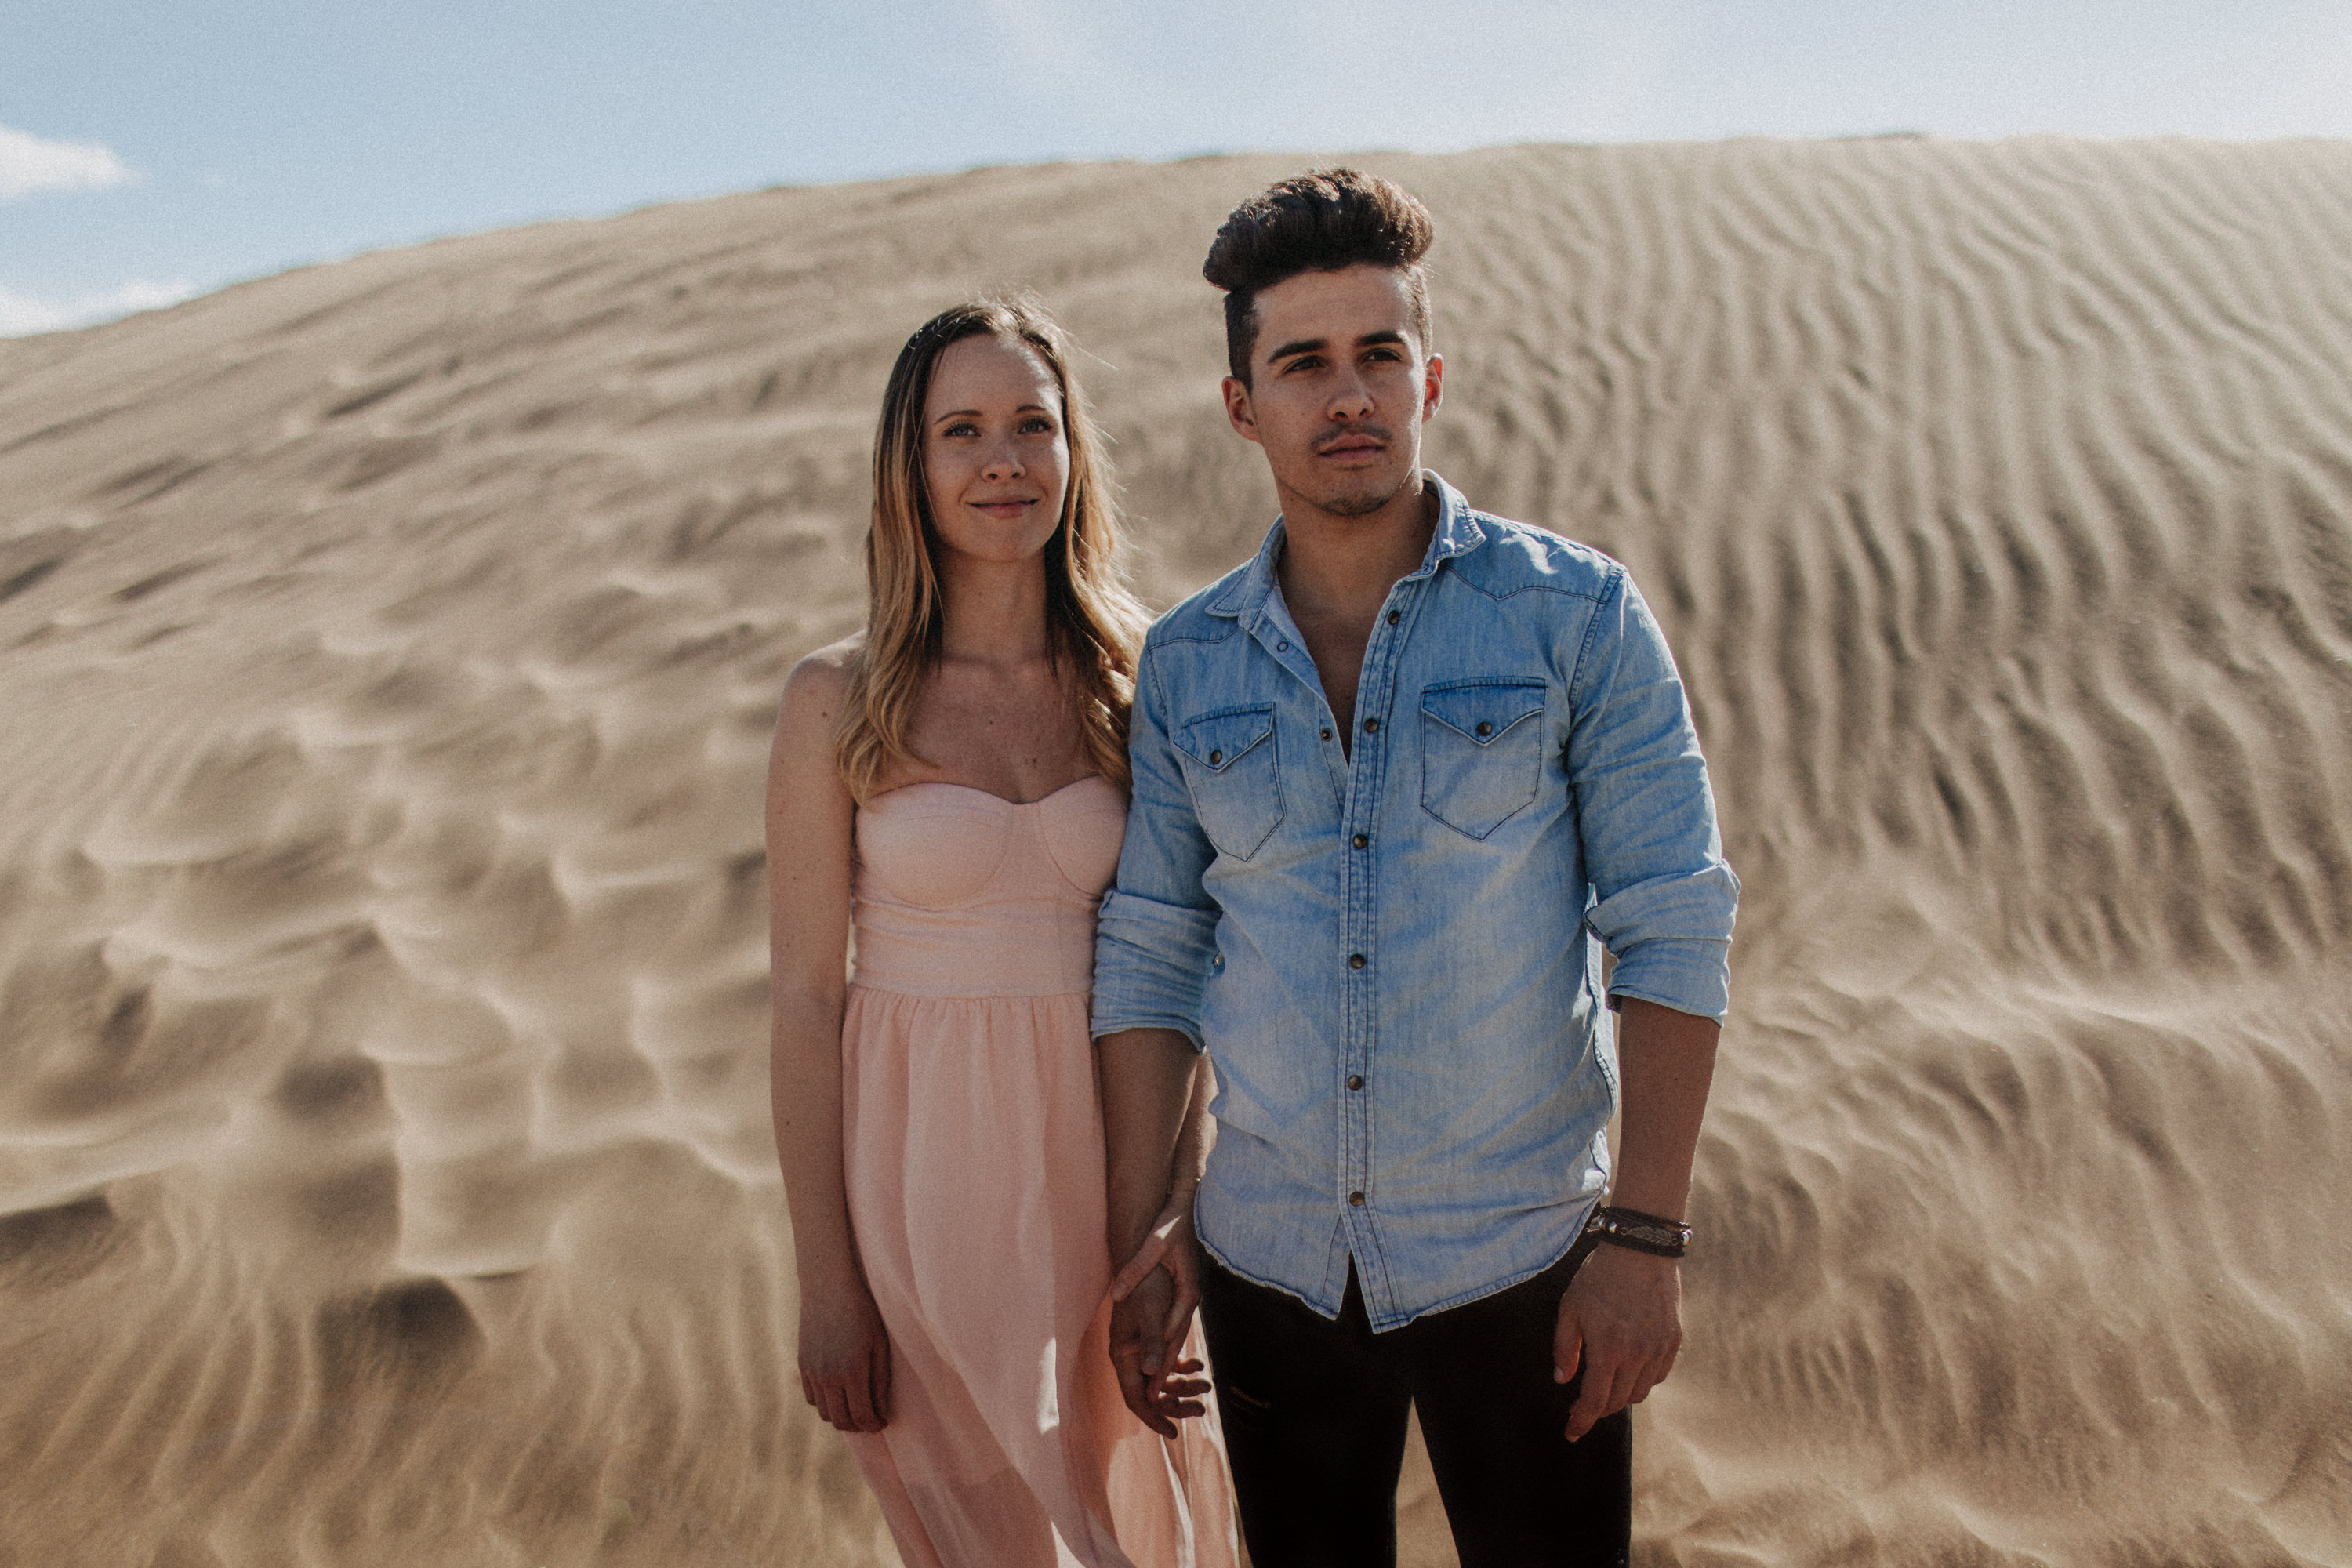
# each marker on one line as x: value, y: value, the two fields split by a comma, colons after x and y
x: 1217, y: 741
x: 1482, y: 711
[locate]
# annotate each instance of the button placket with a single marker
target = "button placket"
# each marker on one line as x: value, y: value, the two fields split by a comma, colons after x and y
x: 1367, y: 774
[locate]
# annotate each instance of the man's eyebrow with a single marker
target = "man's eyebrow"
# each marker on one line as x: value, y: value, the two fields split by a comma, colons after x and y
x: 1317, y: 346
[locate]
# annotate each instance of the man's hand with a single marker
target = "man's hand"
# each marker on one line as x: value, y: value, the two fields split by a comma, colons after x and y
x: 1160, y: 1387
x: 1169, y: 1245
x: 1620, y: 1322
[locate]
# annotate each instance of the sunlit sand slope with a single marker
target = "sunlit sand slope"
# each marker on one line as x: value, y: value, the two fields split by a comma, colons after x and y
x: 387, y: 654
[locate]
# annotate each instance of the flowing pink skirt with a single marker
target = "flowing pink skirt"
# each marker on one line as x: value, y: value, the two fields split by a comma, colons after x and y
x: 973, y: 1141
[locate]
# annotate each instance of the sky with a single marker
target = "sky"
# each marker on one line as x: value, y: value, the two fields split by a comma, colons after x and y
x: 150, y: 150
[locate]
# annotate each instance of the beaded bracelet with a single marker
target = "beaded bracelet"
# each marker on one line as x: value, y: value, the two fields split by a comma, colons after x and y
x: 1641, y: 1232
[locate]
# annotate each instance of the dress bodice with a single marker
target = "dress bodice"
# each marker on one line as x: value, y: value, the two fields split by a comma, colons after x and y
x: 958, y: 892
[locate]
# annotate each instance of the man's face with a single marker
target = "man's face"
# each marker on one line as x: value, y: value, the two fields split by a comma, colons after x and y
x: 1340, y: 387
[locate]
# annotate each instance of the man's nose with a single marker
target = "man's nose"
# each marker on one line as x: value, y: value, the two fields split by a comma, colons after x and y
x: 1350, y: 399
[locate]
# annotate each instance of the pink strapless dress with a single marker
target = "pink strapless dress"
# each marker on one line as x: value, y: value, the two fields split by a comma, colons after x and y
x: 974, y: 1147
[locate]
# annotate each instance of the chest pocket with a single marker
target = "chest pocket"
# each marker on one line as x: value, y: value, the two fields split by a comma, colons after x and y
x: 1481, y: 751
x: 1229, y: 763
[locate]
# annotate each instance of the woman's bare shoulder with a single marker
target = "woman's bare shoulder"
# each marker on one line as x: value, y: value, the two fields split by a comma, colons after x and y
x: 820, y: 681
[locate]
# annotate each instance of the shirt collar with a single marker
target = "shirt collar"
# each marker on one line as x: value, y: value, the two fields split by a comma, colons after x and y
x: 1458, y: 533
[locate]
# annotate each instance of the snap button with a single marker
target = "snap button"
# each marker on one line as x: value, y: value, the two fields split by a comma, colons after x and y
x: 1485, y: 728
x: 1371, y: 726
x: 1359, y: 840
x: 1355, y: 1080
x: 1282, y: 647
x: 1216, y: 757
x: 1355, y: 961
x: 1395, y: 615
x: 1355, y: 1200
x: 1326, y: 734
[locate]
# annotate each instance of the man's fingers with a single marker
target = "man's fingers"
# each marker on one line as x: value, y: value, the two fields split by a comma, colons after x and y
x: 1603, y: 1366
x: 1613, y: 1379
x: 1179, y: 1314
x: 1566, y: 1347
x: 1653, y: 1373
x: 1136, y: 1389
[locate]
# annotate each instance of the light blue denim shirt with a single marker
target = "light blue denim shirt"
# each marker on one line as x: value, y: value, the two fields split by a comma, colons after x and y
x: 1394, y: 956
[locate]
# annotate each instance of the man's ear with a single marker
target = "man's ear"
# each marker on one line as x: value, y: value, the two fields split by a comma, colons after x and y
x: 1238, y: 410
x: 1433, y: 385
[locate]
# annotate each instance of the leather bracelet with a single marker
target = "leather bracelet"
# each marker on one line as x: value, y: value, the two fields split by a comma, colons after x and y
x: 1639, y: 1232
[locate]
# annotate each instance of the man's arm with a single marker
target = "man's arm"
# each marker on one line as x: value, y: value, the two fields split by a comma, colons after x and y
x: 1621, y: 1321
x: 1154, y: 943
x: 1147, y: 1085
x: 1664, y: 907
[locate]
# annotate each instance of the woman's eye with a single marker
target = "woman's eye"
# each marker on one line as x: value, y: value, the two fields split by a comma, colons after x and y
x: 1037, y: 427
x: 960, y: 430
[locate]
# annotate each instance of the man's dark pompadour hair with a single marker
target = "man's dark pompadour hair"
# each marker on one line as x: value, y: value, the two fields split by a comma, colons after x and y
x: 1317, y: 222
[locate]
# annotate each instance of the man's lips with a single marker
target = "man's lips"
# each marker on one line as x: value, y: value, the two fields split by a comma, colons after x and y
x: 1354, y: 443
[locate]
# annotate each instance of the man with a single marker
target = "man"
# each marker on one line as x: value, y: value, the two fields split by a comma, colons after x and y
x: 1398, y: 782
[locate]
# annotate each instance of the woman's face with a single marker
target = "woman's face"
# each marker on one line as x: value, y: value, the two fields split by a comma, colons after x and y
x: 996, y: 458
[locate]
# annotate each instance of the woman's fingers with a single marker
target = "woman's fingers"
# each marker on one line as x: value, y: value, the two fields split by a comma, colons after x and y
x: 860, y: 1401
x: 881, y: 1375
x: 1147, y: 1258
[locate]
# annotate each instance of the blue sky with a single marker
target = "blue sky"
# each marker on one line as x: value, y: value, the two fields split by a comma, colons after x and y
x: 150, y: 149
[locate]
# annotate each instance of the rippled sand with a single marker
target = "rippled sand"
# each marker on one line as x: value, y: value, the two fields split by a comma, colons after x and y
x: 390, y: 650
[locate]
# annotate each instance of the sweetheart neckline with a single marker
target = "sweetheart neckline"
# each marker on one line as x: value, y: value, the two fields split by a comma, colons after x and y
x: 985, y: 793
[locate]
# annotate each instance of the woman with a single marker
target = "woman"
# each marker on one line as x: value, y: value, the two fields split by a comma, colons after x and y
x: 951, y: 784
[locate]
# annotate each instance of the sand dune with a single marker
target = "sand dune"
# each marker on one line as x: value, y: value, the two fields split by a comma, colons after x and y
x: 390, y: 649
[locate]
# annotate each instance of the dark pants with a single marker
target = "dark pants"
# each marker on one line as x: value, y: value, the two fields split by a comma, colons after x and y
x: 1315, y: 1412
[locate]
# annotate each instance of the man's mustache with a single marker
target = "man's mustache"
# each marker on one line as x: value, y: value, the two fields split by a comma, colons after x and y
x: 1352, y: 432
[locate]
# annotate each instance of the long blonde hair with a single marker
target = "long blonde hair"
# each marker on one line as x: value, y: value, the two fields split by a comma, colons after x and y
x: 1091, y: 620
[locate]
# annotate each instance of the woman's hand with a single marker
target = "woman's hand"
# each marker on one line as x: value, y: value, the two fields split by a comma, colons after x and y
x: 845, y: 1357
x: 1170, y: 1244
x: 1161, y: 1387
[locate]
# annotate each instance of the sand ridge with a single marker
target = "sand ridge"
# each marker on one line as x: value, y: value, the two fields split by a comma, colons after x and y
x: 389, y: 649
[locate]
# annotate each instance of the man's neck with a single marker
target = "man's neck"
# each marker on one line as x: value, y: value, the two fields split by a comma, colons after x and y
x: 1340, y: 566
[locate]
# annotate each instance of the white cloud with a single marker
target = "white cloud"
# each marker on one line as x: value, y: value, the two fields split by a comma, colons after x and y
x: 30, y: 164
x: 22, y: 314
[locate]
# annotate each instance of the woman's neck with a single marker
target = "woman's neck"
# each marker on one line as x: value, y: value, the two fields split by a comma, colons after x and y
x: 993, y: 612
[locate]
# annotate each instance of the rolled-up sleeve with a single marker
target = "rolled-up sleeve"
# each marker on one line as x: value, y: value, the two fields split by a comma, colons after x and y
x: 1157, y: 932
x: 1665, y: 898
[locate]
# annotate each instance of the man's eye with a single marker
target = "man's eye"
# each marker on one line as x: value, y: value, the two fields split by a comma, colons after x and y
x: 1304, y: 362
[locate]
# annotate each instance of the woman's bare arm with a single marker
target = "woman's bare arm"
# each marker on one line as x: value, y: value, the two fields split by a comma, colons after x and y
x: 844, y: 1352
